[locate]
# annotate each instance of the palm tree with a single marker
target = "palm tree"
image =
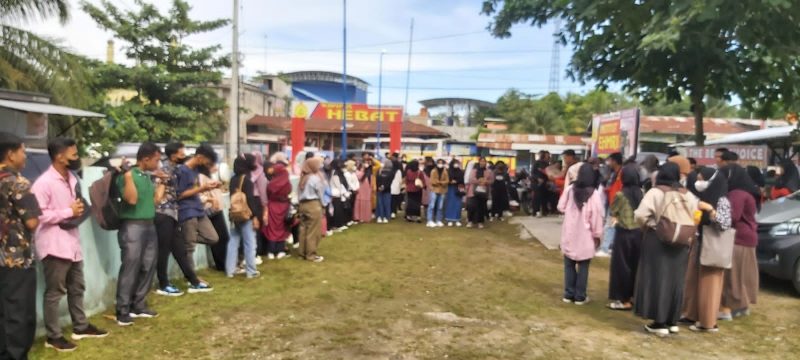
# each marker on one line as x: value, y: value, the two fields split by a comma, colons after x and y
x: 34, y: 63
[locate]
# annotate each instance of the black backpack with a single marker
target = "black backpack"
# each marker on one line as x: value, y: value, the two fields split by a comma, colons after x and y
x: 106, y: 199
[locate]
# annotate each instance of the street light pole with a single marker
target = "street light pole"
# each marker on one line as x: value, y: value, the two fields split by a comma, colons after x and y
x: 380, y: 110
x: 233, y: 121
x: 344, y: 79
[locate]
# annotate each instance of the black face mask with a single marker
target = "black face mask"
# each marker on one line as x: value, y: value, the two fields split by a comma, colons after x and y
x: 180, y: 160
x: 74, y: 165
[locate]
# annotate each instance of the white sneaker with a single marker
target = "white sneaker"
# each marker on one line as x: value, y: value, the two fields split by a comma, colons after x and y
x: 394, y: 215
x: 602, y: 254
x: 439, y: 224
x: 431, y: 224
x: 281, y: 255
x: 329, y: 233
x: 351, y: 223
x: 343, y: 228
x: 259, y: 260
x: 491, y: 218
x: 290, y: 239
x: 296, y: 245
x: 449, y: 224
x: 458, y: 224
x: 469, y: 224
x: 270, y: 256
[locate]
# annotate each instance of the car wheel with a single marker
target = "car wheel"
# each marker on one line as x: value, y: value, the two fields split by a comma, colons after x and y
x: 796, y: 277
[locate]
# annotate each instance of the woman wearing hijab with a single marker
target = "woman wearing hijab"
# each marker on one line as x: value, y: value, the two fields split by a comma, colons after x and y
x: 627, y: 238
x: 213, y: 202
x: 311, y: 191
x: 740, y: 287
x: 363, y: 208
x: 648, y: 170
x: 260, y: 181
x: 397, y: 184
x: 244, y: 232
x: 415, y: 186
x: 480, y: 180
x: 276, y: 230
x: 583, y: 210
x: 703, y: 289
x: 662, y: 267
x: 500, y: 200
x: 383, y: 211
x: 788, y: 182
x: 339, y: 194
x: 455, y: 193
x: 352, y: 183
x: 427, y: 168
x: 439, y: 180
x: 758, y: 179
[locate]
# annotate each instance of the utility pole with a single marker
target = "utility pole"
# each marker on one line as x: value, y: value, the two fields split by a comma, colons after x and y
x: 344, y: 79
x: 380, y: 109
x: 233, y: 123
x: 555, y: 60
x: 408, y: 73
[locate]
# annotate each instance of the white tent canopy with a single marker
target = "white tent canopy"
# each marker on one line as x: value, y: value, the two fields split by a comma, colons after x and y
x: 749, y: 136
x: 41, y: 108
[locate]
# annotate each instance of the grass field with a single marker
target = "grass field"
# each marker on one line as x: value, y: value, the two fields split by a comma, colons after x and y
x: 384, y: 292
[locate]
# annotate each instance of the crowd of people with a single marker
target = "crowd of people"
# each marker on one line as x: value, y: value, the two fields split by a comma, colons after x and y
x: 694, y: 272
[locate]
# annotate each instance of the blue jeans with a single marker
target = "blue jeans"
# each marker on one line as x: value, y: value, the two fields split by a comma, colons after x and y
x: 245, y: 234
x: 436, y: 202
x: 608, y: 235
x: 384, y: 208
x: 576, y: 279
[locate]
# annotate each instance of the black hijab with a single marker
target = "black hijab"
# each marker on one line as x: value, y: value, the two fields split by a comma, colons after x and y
x: 630, y: 185
x: 790, y: 178
x: 584, y: 185
x: 738, y: 179
x: 691, y: 177
x: 756, y: 175
x: 669, y: 175
x: 413, y: 165
x: 717, y: 187
x: 456, y: 174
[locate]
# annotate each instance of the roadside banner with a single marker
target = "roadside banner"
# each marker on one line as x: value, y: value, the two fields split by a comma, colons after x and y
x: 755, y: 155
x: 616, y: 132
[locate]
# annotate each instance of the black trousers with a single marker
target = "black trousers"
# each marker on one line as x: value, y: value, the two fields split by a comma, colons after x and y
x: 219, y: 249
x: 397, y: 201
x: 476, y: 208
x: 541, y: 200
x: 17, y: 312
x: 170, y: 242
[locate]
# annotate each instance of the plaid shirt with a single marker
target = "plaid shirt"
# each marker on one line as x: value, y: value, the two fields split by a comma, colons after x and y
x: 169, y: 205
x: 17, y: 205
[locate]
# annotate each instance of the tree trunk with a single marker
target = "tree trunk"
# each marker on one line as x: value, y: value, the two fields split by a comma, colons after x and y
x: 698, y: 109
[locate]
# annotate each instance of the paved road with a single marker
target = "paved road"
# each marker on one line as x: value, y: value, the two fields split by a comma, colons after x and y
x: 547, y: 230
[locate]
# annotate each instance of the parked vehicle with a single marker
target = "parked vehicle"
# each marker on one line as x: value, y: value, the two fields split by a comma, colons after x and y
x: 778, y: 251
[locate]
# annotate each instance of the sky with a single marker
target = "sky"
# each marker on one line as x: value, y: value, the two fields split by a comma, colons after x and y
x: 453, y: 55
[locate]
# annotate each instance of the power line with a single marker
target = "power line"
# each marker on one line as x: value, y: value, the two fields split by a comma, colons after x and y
x: 455, y: 52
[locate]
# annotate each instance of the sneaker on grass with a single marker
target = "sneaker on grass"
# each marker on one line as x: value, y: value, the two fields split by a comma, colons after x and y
x: 90, y: 332
x: 144, y: 314
x: 201, y: 287
x: 124, y: 320
x: 169, y: 290
x: 61, y: 345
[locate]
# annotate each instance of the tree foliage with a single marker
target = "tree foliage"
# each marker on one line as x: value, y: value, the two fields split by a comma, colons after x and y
x: 170, y: 79
x: 665, y: 49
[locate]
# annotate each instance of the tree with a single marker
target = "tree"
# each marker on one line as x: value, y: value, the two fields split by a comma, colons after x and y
x: 711, y: 48
x: 32, y: 63
x: 173, y: 100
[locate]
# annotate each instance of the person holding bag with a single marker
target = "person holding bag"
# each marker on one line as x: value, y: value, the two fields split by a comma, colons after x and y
x: 710, y: 254
x: 415, y: 185
x: 480, y: 179
x: 662, y: 266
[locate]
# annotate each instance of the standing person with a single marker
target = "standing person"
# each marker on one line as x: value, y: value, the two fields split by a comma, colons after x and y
x: 415, y: 186
x: 397, y: 184
x: 539, y: 182
x: 311, y: 189
x: 480, y: 178
x: 20, y: 213
x: 260, y: 181
x: 740, y: 286
x: 166, y: 222
x: 276, y: 229
x: 213, y: 202
x: 363, y: 207
x: 428, y: 167
x: 455, y: 193
x: 647, y: 171
x: 351, y: 176
x: 339, y: 194
x: 58, y: 246
x: 758, y: 180
x: 580, y: 233
x: 614, y: 185
x: 500, y: 201
x: 244, y: 232
x: 440, y: 179
x: 627, y: 239
x: 137, y: 236
x: 384, y: 192
x: 662, y: 267
x: 571, y: 166
x: 194, y: 224
x: 703, y: 290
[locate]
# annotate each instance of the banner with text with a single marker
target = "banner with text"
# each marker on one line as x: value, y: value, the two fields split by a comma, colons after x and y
x: 616, y: 132
x: 354, y: 112
x: 756, y: 155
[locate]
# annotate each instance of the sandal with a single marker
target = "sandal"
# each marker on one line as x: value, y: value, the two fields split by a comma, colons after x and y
x: 618, y: 305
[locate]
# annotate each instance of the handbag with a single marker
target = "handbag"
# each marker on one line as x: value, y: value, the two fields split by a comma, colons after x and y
x: 716, y: 248
x: 74, y: 222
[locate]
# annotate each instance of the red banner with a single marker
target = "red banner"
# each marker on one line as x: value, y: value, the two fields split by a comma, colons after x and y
x: 298, y: 137
x: 356, y: 112
x: 395, y: 133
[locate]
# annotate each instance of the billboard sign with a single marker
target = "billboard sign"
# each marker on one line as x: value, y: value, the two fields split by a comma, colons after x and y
x: 616, y: 132
x: 354, y: 112
x: 756, y: 155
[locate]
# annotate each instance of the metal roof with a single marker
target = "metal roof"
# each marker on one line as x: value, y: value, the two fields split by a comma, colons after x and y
x: 47, y: 109
x: 325, y: 76
x: 749, y: 136
x: 455, y: 101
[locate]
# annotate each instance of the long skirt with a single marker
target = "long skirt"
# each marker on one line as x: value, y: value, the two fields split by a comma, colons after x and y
x: 452, y: 207
x: 500, y: 202
x: 397, y: 200
x: 363, y: 206
x: 339, y: 218
x: 624, y: 262
x: 741, y: 280
x: 476, y: 208
x: 413, y: 204
x: 660, y: 280
x: 703, y: 290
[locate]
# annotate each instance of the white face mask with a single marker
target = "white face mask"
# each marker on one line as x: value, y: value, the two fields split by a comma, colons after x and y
x: 457, y: 166
x: 701, y: 185
x: 440, y: 166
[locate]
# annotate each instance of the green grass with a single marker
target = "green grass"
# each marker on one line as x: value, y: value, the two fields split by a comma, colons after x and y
x: 369, y: 298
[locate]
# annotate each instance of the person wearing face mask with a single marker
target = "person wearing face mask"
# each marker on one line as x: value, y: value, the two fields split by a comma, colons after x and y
x: 455, y: 193
x: 59, y: 246
x: 480, y: 179
x: 703, y: 289
x: 440, y: 179
x: 500, y: 199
